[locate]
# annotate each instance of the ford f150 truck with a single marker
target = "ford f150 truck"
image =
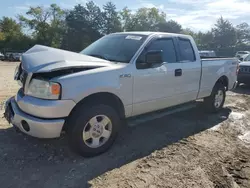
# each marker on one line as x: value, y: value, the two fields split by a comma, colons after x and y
x: 89, y: 94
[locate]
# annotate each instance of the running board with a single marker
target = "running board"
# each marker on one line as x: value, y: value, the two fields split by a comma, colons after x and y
x: 159, y: 114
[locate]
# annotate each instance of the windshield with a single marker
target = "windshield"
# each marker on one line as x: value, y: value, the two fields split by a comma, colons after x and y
x: 115, y: 47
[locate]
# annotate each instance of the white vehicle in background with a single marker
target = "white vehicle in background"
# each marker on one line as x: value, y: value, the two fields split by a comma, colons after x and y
x: 121, y: 75
x: 17, y: 56
x: 1, y: 56
x: 239, y: 54
x: 245, y: 58
x: 13, y: 56
x: 207, y: 53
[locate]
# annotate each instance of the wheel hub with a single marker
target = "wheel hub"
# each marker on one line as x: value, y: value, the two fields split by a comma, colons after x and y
x: 97, y: 130
x: 218, y: 99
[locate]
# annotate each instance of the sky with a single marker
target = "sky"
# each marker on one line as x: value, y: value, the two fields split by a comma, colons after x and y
x: 199, y: 15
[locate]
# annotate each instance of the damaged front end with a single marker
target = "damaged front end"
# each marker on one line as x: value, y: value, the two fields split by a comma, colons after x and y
x: 8, y: 111
x: 25, y: 78
x: 60, y: 72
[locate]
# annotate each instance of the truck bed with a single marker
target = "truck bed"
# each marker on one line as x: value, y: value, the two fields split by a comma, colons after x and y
x: 217, y: 58
x: 214, y: 68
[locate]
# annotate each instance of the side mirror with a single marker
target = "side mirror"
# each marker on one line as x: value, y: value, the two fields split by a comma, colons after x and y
x: 241, y: 59
x: 153, y: 57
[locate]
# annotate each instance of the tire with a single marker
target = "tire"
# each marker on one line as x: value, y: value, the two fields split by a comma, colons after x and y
x: 210, y: 102
x: 80, y: 128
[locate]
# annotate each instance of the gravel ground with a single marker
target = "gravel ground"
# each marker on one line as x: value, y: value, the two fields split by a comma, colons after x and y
x: 187, y: 149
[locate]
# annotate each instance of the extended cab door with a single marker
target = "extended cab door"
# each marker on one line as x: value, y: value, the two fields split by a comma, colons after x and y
x: 159, y: 86
x: 191, y: 69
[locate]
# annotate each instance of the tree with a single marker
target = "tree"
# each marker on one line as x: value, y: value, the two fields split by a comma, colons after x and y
x: 224, y: 34
x: 84, y: 25
x: 76, y: 28
x: 112, y: 22
x: 243, y: 33
x: 145, y: 19
x: 11, y: 35
x: 46, y: 24
x: 126, y: 19
x: 205, y: 41
x: 10, y: 27
x: 2, y: 36
x: 224, y: 37
x: 170, y: 27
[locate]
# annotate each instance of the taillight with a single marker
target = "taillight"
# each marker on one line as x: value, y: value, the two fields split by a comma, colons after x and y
x: 238, y: 68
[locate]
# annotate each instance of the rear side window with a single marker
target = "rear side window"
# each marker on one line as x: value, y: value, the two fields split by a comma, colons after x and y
x: 186, y: 50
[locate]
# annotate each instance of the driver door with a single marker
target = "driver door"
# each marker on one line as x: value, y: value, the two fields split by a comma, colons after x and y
x: 158, y: 86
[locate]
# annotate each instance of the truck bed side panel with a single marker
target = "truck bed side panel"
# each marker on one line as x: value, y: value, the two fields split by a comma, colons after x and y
x: 212, y: 70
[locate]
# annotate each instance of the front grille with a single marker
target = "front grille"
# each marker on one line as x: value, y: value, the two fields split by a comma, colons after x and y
x: 245, y: 69
x: 23, y: 77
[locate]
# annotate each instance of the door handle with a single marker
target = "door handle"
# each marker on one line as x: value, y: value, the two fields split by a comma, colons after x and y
x: 178, y: 72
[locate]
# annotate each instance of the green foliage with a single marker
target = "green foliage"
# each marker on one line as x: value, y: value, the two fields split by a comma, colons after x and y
x: 47, y: 24
x: 111, y: 19
x: 243, y: 33
x: 84, y: 26
x: 76, y: 28
x: 11, y: 35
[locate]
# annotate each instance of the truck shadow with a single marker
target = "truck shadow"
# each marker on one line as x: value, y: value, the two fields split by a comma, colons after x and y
x: 59, y: 167
x: 243, y: 89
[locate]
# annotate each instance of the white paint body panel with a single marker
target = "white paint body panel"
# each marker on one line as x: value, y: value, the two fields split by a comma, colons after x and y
x: 143, y: 90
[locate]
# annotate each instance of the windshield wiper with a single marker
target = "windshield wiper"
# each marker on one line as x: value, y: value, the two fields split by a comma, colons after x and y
x: 105, y: 58
x: 99, y: 56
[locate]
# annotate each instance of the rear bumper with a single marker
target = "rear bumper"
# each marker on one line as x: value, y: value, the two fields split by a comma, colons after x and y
x: 40, y: 128
x: 235, y: 85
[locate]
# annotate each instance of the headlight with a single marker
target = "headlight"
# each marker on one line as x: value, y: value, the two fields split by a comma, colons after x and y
x: 44, y: 89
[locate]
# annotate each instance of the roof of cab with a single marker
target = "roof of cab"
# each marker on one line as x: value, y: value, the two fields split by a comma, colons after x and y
x: 148, y: 33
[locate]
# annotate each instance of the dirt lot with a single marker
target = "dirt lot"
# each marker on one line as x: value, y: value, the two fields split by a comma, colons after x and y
x: 188, y: 149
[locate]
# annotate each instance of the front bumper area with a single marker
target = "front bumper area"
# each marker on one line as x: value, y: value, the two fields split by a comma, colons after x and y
x: 50, y: 109
x: 37, y: 127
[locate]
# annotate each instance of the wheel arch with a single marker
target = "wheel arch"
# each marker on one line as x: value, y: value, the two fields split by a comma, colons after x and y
x: 223, y: 80
x: 100, y: 98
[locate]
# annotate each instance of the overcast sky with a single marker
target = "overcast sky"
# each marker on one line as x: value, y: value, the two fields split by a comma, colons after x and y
x: 194, y: 14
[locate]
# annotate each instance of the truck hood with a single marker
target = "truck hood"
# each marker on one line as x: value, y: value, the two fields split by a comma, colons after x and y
x: 245, y: 63
x: 46, y: 59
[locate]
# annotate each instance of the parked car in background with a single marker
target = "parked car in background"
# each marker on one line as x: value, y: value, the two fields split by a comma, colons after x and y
x: 121, y: 75
x: 244, y: 70
x: 207, y: 53
x: 17, y: 56
x: 1, y: 56
x: 245, y: 58
x: 239, y: 54
x: 13, y: 56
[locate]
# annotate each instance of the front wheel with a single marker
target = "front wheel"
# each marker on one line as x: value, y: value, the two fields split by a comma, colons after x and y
x: 216, y: 100
x: 93, y: 129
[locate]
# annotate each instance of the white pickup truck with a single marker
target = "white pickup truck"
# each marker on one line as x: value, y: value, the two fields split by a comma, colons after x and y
x: 121, y: 75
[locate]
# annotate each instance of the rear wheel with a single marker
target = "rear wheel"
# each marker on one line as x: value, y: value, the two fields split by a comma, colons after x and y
x: 216, y: 100
x: 93, y: 129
